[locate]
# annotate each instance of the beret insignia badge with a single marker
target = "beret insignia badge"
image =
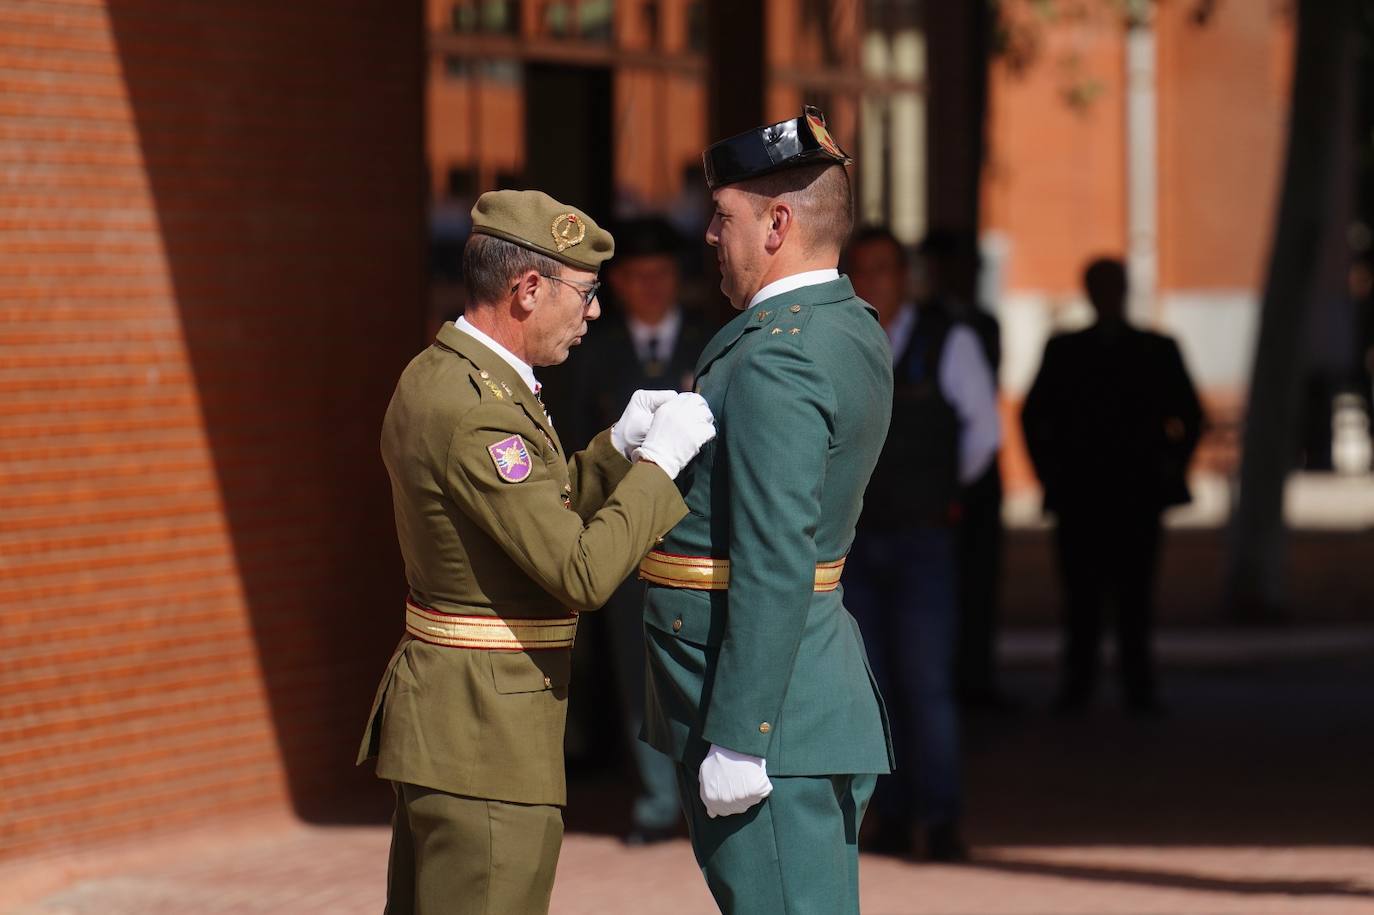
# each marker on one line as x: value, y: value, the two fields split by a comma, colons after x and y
x: 512, y: 459
x: 568, y: 230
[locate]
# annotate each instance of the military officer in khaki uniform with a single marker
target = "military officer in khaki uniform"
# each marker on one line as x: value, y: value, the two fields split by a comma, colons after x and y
x: 505, y: 539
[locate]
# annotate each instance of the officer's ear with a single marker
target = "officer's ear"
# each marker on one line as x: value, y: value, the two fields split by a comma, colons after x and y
x: 524, y: 290
x: 780, y: 222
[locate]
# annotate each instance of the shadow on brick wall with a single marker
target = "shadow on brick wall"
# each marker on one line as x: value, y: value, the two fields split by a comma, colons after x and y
x: 283, y: 150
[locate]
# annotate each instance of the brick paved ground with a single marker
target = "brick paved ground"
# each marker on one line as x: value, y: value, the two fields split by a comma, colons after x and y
x: 291, y: 868
x: 1254, y: 797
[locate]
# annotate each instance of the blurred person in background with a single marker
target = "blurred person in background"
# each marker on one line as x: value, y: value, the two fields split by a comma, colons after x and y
x: 1111, y: 423
x: 647, y: 341
x: 902, y: 578
x: 947, y: 267
x: 504, y: 539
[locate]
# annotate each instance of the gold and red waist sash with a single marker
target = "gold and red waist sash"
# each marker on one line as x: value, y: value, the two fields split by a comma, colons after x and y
x: 489, y: 633
x: 702, y: 573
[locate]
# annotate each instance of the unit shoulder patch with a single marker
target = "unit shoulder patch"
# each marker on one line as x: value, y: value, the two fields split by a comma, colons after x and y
x: 512, y: 459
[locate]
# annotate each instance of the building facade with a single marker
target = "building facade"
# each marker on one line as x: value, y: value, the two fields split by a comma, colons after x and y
x: 1159, y: 140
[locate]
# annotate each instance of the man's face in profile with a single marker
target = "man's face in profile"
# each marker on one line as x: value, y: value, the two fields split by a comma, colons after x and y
x: 738, y: 232
x: 559, y: 320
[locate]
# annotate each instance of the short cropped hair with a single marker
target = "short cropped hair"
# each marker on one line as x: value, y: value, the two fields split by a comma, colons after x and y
x: 818, y: 194
x: 491, y: 266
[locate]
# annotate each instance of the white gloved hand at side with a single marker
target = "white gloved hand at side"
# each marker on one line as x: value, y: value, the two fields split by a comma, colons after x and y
x: 678, y: 430
x: 732, y: 782
x: 629, y: 431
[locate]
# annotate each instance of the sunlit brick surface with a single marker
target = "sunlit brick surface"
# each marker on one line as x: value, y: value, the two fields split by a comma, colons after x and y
x: 1251, y: 798
x: 210, y: 275
x: 295, y: 869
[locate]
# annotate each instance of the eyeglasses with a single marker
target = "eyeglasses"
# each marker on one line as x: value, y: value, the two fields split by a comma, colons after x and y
x: 588, y: 290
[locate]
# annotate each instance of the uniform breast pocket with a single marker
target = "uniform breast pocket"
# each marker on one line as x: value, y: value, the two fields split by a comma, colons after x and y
x: 531, y: 671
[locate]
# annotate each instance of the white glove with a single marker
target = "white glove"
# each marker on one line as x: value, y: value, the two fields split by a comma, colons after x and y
x: 732, y: 782
x: 629, y: 431
x: 679, y: 428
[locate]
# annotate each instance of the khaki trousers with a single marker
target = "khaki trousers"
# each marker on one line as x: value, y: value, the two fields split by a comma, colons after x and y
x: 455, y: 855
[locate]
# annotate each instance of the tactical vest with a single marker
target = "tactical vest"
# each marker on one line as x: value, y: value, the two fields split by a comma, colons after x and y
x: 916, y: 481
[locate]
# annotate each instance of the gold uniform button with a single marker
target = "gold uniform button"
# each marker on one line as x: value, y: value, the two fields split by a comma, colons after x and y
x: 677, y: 624
x: 765, y: 728
x: 547, y: 683
x: 795, y: 309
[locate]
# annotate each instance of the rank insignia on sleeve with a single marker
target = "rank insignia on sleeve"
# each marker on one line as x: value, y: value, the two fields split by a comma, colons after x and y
x: 512, y: 459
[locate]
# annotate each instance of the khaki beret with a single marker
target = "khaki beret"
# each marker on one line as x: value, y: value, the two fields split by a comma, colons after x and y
x: 534, y: 220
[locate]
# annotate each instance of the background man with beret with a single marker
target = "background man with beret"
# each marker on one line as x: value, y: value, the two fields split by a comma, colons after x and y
x: 504, y: 539
x: 646, y: 340
x: 758, y: 682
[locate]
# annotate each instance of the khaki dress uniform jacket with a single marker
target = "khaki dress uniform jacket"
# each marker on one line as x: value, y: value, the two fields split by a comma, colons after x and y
x: 489, y: 723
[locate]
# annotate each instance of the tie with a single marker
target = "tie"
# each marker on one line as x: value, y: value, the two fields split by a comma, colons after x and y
x: 653, y: 366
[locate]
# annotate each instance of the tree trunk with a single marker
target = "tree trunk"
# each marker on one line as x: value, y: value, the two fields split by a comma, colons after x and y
x: 957, y: 54
x: 1322, y: 75
x: 736, y: 48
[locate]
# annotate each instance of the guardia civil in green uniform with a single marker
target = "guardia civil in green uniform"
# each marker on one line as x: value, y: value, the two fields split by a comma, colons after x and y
x: 759, y: 685
x: 505, y: 539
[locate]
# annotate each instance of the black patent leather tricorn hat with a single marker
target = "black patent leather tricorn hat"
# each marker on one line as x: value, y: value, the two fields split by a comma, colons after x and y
x: 787, y: 144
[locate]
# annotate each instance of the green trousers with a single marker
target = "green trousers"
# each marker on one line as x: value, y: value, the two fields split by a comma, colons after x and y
x: 454, y: 855
x: 797, y: 853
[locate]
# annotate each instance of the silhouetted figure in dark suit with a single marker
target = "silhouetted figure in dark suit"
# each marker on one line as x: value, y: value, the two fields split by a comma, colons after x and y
x: 1111, y: 423
x: 647, y: 341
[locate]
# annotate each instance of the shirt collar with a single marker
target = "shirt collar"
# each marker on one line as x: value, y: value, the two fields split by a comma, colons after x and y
x: 795, y: 281
x: 525, y: 372
x: 664, y: 331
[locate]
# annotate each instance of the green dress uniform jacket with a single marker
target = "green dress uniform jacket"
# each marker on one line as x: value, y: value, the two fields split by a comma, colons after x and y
x: 478, y: 542
x: 801, y: 388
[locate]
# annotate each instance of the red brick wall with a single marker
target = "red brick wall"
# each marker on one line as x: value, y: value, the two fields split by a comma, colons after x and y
x: 1223, y: 109
x: 211, y: 241
x: 1055, y: 180
x: 1056, y: 176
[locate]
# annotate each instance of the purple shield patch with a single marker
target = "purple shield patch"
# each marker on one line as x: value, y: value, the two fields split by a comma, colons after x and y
x: 511, y: 458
